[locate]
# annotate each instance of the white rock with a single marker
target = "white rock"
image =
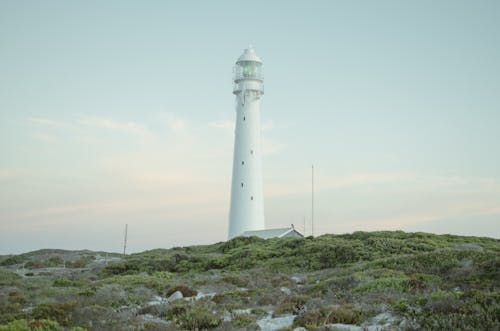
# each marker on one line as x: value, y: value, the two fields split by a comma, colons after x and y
x: 157, y: 300
x: 242, y: 311
x: 271, y: 324
x: 382, y: 321
x: 285, y: 290
x: 204, y: 295
x: 151, y: 318
x: 226, y: 316
x: 297, y: 280
x: 175, y: 296
x: 344, y: 327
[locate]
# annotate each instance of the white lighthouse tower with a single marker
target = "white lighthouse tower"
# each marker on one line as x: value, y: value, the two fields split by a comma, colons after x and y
x: 247, y: 201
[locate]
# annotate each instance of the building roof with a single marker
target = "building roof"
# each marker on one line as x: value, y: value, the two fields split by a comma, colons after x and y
x: 270, y: 233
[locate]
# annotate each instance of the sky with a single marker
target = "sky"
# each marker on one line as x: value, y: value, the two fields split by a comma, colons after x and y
x: 121, y: 112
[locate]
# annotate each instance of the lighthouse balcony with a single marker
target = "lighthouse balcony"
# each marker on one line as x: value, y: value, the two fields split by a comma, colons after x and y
x: 257, y: 86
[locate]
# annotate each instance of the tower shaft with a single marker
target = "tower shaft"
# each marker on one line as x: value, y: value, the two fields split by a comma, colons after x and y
x: 247, y: 200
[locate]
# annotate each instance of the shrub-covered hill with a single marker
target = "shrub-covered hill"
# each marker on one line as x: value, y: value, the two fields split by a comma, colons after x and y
x: 308, y: 254
x: 365, y: 280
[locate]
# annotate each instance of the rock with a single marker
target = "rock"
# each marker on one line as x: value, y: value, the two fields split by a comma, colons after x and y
x: 226, y: 316
x: 285, y: 290
x: 201, y: 295
x: 300, y: 328
x: 344, y: 327
x: 382, y: 321
x: 271, y: 324
x: 157, y: 300
x: 175, y: 296
x: 297, y: 280
x: 242, y: 311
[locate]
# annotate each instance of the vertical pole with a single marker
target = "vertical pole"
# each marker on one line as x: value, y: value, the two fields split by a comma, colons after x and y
x: 304, y: 225
x: 312, y: 200
x: 125, y: 240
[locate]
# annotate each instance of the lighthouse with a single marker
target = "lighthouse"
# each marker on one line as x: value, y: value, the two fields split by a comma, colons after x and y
x: 246, y: 212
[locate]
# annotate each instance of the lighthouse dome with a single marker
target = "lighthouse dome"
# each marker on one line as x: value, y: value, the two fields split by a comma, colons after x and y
x: 249, y: 55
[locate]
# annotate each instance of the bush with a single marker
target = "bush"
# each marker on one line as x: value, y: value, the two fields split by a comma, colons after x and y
x: 60, y: 312
x: 244, y: 320
x: 329, y: 315
x: 16, y: 259
x: 8, y: 278
x: 17, y: 297
x: 17, y: 325
x: 401, y: 306
x: 63, y: 282
x: 10, y: 312
x: 198, y: 318
x: 292, y: 305
x: 397, y: 283
x: 111, y: 296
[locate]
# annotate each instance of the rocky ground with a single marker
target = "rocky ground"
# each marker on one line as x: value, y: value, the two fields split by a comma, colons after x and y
x: 361, y: 281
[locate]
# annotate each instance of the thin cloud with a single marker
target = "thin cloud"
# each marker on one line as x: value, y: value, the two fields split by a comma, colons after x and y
x: 44, y: 137
x: 225, y: 125
x: 47, y: 122
x: 110, y: 124
x: 271, y: 146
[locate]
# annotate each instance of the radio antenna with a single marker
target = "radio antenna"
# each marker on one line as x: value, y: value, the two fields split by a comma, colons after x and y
x: 125, y: 240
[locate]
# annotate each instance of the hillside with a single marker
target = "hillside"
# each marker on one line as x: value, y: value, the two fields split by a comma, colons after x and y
x: 364, y: 280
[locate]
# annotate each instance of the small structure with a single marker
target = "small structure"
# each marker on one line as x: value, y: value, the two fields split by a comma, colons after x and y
x: 274, y: 233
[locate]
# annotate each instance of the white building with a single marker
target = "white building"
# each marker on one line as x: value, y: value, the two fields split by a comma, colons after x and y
x: 247, y: 200
x: 274, y: 233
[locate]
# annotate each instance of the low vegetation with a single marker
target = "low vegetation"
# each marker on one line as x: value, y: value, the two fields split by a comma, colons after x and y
x: 394, y: 280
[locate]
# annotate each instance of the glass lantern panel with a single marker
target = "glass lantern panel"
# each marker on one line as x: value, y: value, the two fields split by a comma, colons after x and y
x: 249, y: 69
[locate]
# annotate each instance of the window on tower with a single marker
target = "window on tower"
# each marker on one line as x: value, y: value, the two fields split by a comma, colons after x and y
x: 251, y: 151
x: 243, y: 117
x: 241, y: 184
x: 242, y: 162
x: 251, y: 198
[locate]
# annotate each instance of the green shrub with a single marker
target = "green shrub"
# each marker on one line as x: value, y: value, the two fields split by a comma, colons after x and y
x: 291, y: 304
x: 8, y: 278
x: 17, y: 297
x: 79, y: 263
x: 237, y: 280
x: 397, y: 283
x: 244, y: 320
x: 16, y: 325
x: 401, y: 306
x: 163, y: 274
x: 34, y: 325
x: 15, y: 259
x: 329, y: 315
x: 198, y: 318
x: 10, y: 312
x: 239, y: 242
x: 44, y: 325
x: 60, y: 312
x: 54, y: 261
x: 63, y: 282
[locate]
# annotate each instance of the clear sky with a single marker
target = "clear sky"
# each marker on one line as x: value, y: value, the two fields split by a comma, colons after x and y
x: 115, y: 112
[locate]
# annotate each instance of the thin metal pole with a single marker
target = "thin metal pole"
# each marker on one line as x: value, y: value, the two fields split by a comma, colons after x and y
x: 125, y: 240
x: 312, y: 200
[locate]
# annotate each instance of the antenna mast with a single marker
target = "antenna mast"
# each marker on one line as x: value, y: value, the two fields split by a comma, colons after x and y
x: 125, y: 240
x: 312, y: 200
